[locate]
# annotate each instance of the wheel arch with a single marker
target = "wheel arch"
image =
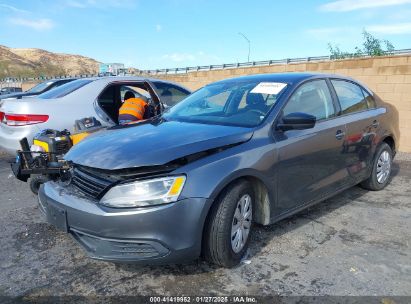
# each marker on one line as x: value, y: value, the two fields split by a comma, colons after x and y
x: 263, y: 199
x: 389, y: 140
x: 262, y: 206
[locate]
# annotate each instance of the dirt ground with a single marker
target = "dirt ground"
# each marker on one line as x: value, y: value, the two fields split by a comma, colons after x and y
x: 357, y: 243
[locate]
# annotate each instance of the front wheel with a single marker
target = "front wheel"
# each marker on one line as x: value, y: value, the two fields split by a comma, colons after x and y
x: 229, y: 225
x: 381, y: 169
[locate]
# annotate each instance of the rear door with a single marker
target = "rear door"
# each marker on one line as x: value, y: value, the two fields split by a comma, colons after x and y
x: 110, y: 99
x: 311, y: 163
x: 361, y: 116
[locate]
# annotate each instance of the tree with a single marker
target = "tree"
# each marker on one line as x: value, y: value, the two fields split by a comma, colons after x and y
x: 389, y: 47
x: 371, y: 46
x: 336, y: 53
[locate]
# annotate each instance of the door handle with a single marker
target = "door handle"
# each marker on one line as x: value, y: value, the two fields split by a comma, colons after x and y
x: 339, y: 135
x: 375, y: 123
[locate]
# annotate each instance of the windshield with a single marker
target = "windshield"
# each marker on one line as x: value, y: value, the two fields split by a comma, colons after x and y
x: 243, y: 104
x: 65, y: 89
x: 40, y: 87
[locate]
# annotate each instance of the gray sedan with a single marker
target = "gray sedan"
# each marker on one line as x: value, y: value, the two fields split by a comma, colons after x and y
x: 59, y: 108
x: 247, y: 150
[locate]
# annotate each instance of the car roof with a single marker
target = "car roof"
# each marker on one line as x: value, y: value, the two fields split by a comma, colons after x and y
x: 54, y: 80
x: 59, y: 79
x: 124, y: 78
x: 291, y: 78
x: 108, y: 79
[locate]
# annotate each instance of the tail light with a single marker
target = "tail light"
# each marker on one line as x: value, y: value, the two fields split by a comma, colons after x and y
x: 23, y: 119
x: 1, y: 116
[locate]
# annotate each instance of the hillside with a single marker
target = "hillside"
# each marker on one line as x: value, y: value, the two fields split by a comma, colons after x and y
x: 37, y: 62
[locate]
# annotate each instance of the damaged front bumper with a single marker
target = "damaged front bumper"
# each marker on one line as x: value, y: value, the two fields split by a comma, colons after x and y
x: 159, y: 234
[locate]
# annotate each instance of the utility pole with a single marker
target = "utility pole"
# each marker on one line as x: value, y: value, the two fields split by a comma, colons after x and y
x: 249, y: 45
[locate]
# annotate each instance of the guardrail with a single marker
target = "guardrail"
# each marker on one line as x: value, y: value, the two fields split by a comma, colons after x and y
x: 214, y: 66
x: 10, y: 84
x: 26, y: 79
x: 262, y: 63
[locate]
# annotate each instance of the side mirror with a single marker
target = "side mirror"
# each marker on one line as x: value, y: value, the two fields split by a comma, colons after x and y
x: 297, y: 121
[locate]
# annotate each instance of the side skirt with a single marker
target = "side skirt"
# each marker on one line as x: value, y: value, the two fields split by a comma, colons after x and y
x: 299, y: 208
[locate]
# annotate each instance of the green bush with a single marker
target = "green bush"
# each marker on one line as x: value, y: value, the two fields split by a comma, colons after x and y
x: 371, y: 46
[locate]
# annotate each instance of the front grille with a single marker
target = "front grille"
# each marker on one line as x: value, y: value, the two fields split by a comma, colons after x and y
x: 91, y: 185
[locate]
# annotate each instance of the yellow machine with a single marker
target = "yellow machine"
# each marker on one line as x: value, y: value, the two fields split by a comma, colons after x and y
x: 48, y: 142
x: 76, y: 138
x: 57, y: 143
x: 44, y: 161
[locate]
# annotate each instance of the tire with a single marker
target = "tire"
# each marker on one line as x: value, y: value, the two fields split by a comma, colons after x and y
x: 36, y: 181
x: 382, y: 163
x: 218, y: 246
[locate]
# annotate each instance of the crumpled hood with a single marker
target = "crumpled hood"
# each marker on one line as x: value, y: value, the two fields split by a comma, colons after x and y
x: 151, y: 144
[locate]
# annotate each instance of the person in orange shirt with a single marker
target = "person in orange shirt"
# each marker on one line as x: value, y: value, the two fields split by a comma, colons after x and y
x: 132, y: 109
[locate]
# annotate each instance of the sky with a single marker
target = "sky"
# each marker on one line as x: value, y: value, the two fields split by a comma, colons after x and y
x: 178, y: 33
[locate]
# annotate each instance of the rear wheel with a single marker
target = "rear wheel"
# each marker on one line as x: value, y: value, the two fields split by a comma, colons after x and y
x: 229, y: 226
x: 381, y: 169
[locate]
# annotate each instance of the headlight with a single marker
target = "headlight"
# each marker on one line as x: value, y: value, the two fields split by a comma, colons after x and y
x: 145, y: 193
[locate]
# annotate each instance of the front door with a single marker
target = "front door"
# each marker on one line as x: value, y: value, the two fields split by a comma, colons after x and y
x: 311, y: 163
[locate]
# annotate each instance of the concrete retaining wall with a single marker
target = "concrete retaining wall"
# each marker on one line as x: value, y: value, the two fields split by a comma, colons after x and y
x: 389, y: 77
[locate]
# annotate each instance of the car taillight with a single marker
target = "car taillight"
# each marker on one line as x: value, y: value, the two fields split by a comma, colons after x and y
x: 1, y: 116
x: 24, y: 119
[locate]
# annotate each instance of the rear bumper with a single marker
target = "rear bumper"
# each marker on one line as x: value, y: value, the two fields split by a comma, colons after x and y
x: 10, y: 137
x: 162, y: 234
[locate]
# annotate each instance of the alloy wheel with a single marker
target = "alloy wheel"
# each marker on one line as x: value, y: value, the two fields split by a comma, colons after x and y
x: 383, y: 167
x: 241, y: 223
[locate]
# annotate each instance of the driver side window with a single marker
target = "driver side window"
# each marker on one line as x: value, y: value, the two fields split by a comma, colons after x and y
x: 312, y: 98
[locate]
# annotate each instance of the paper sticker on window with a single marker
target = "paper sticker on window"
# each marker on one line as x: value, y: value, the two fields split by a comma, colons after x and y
x: 269, y: 88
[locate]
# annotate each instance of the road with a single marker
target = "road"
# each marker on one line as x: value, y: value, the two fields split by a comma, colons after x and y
x: 357, y: 243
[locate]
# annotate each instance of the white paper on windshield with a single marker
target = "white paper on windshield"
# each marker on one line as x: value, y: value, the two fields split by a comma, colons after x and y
x: 269, y: 88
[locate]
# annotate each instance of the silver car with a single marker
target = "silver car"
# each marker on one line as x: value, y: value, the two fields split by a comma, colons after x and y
x: 99, y: 97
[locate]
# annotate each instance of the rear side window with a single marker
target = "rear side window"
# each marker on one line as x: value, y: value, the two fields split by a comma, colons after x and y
x: 65, y: 89
x: 136, y: 90
x: 370, y: 100
x: 312, y: 98
x: 350, y: 96
x: 170, y: 94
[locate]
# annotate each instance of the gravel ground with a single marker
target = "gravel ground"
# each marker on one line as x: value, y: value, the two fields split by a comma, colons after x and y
x: 357, y: 243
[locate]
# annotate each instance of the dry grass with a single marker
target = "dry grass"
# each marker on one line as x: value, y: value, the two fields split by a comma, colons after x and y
x: 37, y: 62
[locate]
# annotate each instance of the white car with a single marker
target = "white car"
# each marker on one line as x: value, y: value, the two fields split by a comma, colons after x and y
x: 99, y: 97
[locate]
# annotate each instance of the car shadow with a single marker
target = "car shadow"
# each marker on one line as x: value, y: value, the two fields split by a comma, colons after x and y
x: 396, y: 169
x: 264, y: 234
